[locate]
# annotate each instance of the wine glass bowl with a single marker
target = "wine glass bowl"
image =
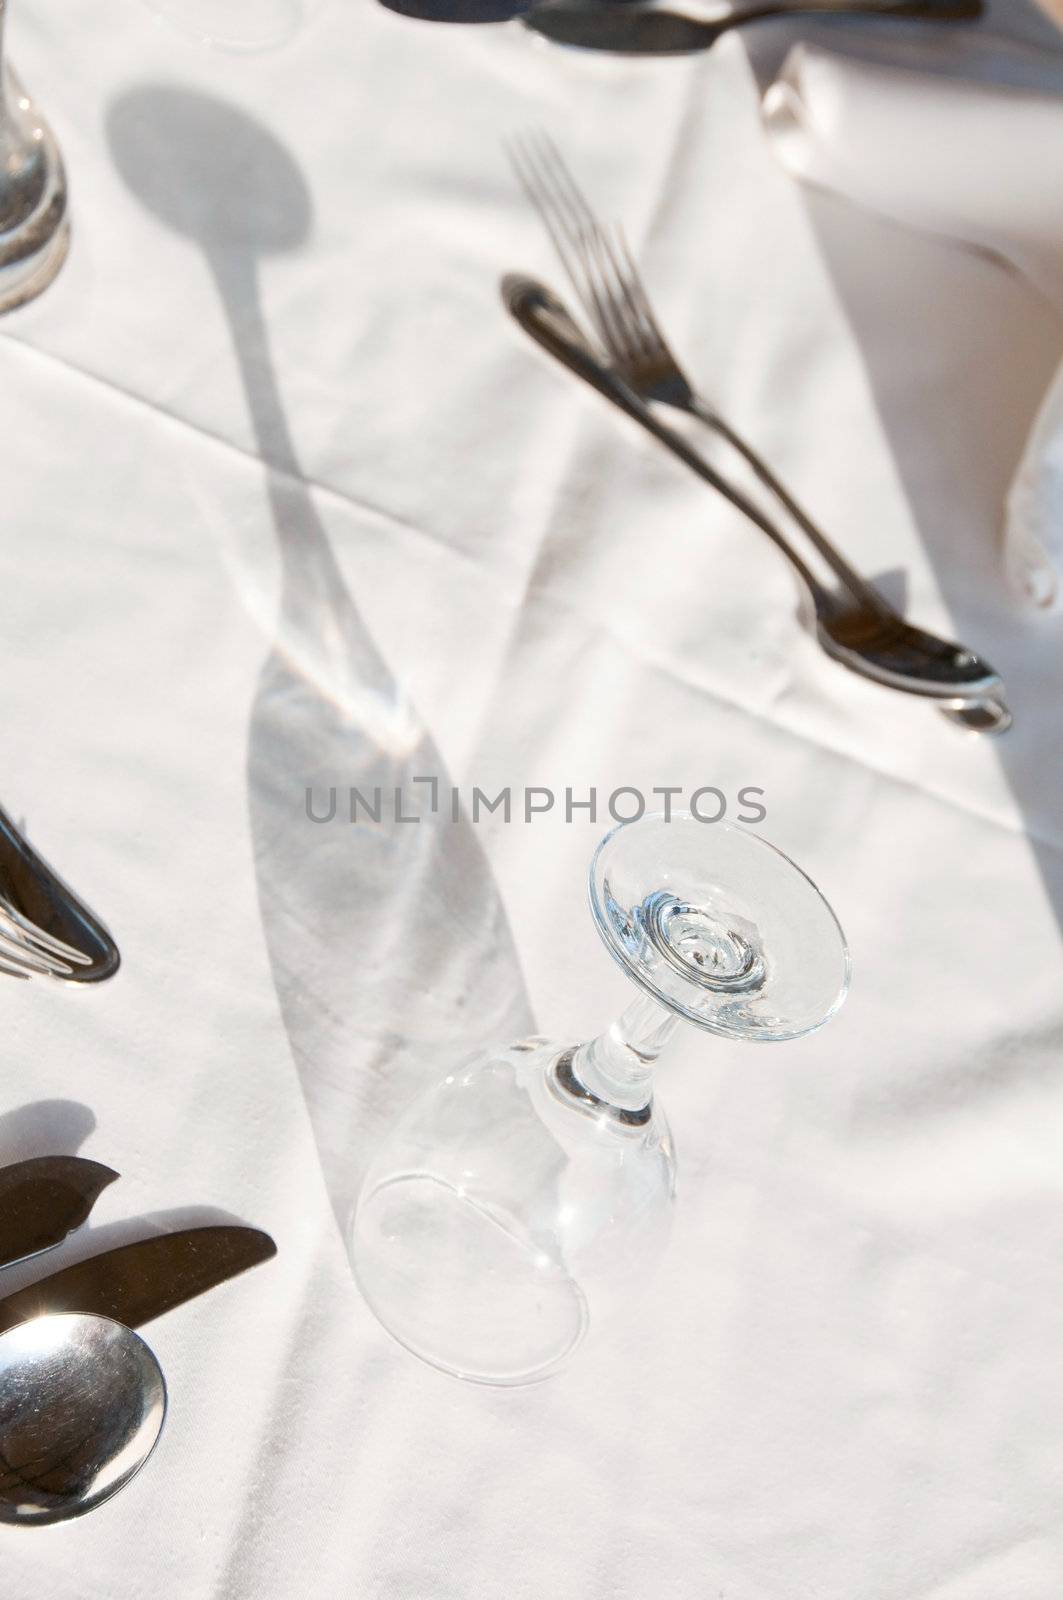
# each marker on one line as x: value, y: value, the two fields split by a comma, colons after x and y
x: 477, y: 1238
x: 528, y: 1196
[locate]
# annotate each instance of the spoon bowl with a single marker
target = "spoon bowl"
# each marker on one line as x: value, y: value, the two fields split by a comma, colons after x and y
x: 873, y: 640
x: 861, y: 631
x: 82, y: 1404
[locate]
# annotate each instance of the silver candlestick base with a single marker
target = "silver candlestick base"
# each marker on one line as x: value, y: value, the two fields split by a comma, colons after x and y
x: 34, y: 227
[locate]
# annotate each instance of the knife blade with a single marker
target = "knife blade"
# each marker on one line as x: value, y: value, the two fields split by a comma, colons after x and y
x: 135, y: 1283
x: 44, y: 1199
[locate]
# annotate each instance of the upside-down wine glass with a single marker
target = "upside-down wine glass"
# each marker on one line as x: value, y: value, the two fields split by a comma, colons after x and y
x: 528, y: 1194
x: 34, y: 230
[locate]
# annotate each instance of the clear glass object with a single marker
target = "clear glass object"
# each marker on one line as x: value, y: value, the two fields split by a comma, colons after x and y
x: 34, y: 227
x: 527, y: 1196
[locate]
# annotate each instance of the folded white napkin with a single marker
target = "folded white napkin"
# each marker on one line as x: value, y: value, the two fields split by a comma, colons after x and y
x: 979, y: 163
x: 1033, y: 528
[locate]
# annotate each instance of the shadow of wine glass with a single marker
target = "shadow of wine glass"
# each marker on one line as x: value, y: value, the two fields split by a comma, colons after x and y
x: 390, y: 949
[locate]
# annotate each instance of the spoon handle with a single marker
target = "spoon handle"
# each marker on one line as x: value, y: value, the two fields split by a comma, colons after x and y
x: 935, y: 10
x: 865, y: 592
x: 545, y: 319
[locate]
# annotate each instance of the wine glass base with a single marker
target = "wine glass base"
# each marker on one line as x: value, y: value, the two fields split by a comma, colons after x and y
x: 34, y: 220
x: 27, y: 277
x: 457, y: 1288
x: 719, y: 927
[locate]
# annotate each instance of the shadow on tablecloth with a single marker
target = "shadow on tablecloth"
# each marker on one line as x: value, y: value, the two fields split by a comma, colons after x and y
x: 898, y: 302
x: 44, y: 1128
x: 390, y: 949
x: 988, y: 423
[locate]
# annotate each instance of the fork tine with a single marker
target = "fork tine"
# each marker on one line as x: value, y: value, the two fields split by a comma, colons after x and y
x: 16, y: 961
x: 564, y: 213
x: 26, y: 949
x: 526, y: 160
x: 600, y: 264
x: 567, y: 189
x: 641, y: 336
x: 39, y: 939
x: 15, y: 956
x: 616, y: 250
x: 604, y: 276
x: 561, y: 208
x: 634, y: 279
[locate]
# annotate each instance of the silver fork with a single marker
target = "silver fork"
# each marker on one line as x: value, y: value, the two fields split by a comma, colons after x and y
x: 599, y: 266
x: 26, y: 950
x: 602, y: 272
x: 45, y: 930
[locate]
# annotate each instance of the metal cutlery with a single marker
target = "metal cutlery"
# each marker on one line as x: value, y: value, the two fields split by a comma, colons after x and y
x: 135, y: 1283
x: 856, y: 625
x: 105, y: 1406
x: 43, y: 1200
x: 868, y: 638
x: 649, y: 27
x: 45, y: 930
x: 82, y: 1397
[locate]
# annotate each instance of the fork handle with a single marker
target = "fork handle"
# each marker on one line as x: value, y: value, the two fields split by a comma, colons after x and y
x: 546, y: 320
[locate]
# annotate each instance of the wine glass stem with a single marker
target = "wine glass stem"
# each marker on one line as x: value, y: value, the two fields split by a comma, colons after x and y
x: 3, y: 72
x: 617, y: 1066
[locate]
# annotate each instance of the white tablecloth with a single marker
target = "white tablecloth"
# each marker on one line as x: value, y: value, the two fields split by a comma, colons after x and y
x: 846, y: 1383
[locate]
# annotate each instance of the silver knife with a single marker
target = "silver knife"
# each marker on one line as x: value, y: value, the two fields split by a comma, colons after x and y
x: 43, y: 1200
x: 136, y: 1282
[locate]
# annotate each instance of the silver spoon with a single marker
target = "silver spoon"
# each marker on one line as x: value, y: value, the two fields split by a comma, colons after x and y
x: 106, y: 1402
x: 647, y: 27
x: 862, y: 633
